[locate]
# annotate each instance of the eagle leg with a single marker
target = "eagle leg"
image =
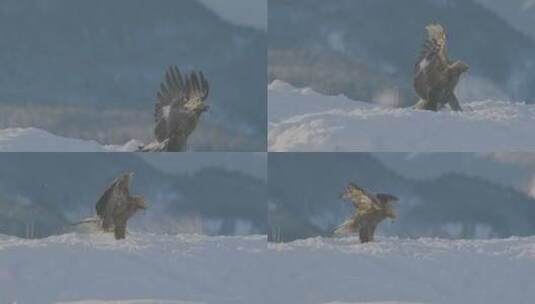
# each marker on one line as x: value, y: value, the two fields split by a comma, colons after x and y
x: 120, y: 228
x: 364, y: 234
x: 454, y: 103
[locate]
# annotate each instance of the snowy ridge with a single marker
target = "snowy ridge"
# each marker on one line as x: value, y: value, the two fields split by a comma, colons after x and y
x: 303, y: 120
x: 37, y: 140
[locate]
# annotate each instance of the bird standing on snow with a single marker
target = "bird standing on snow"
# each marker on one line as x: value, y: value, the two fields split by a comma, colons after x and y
x: 435, y: 77
x: 371, y: 209
x: 179, y: 106
x: 115, y: 207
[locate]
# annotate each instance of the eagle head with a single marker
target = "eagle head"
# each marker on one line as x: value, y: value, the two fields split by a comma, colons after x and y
x: 350, y: 192
x: 437, y: 34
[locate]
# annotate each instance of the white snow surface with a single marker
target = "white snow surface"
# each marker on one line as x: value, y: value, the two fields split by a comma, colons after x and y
x: 396, y: 270
x: 37, y: 140
x: 303, y: 120
x: 93, y: 268
x: 144, y: 268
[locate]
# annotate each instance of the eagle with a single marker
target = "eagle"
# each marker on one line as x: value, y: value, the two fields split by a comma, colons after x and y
x: 179, y: 106
x: 116, y: 206
x: 435, y: 76
x: 371, y: 209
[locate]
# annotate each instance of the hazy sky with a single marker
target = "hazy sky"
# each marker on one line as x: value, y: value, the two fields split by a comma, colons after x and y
x: 244, y: 12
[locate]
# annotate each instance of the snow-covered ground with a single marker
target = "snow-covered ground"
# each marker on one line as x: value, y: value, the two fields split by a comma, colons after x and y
x: 37, y: 140
x: 145, y: 268
x: 303, y: 120
x: 149, y: 268
x: 405, y: 271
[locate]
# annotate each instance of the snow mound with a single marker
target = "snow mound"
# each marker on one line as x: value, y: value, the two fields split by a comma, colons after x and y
x: 37, y: 140
x: 303, y: 120
x: 144, y: 268
x: 394, y: 270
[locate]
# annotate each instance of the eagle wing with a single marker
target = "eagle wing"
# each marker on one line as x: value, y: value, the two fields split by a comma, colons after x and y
x: 197, y: 87
x: 175, y: 92
x: 363, y: 200
x: 433, y: 61
x: 171, y: 91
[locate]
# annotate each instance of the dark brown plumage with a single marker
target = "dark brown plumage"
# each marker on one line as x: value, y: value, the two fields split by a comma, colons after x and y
x: 115, y: 207
x: 179, y: 106
x: 435, y: 76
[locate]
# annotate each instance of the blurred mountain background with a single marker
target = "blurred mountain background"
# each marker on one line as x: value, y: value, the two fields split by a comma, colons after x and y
x: 91, y: 70
x: 519, y: 13
x: 50, y: 191
x: 366, y: 49
x: 446, y: 195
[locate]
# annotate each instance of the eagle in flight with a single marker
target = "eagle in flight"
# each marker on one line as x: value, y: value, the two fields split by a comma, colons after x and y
x: 371, y: 209
x: 435, y: 76
x: 179, y: 106
x: 116, y: 206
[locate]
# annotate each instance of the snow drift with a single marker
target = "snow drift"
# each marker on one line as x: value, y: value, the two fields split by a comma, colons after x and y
x: 37, y: 140
x: 151, y: 268
x: 303, y: 120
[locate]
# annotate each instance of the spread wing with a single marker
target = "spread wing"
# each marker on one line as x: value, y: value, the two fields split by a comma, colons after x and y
x: 386, y: 204
x: 432, y: 61
x: 171, y: 91
x: 176, y: 91
x: 113, y: 194
x: 386, y: 197
x: 363, y: 201
x: 197, y: 87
